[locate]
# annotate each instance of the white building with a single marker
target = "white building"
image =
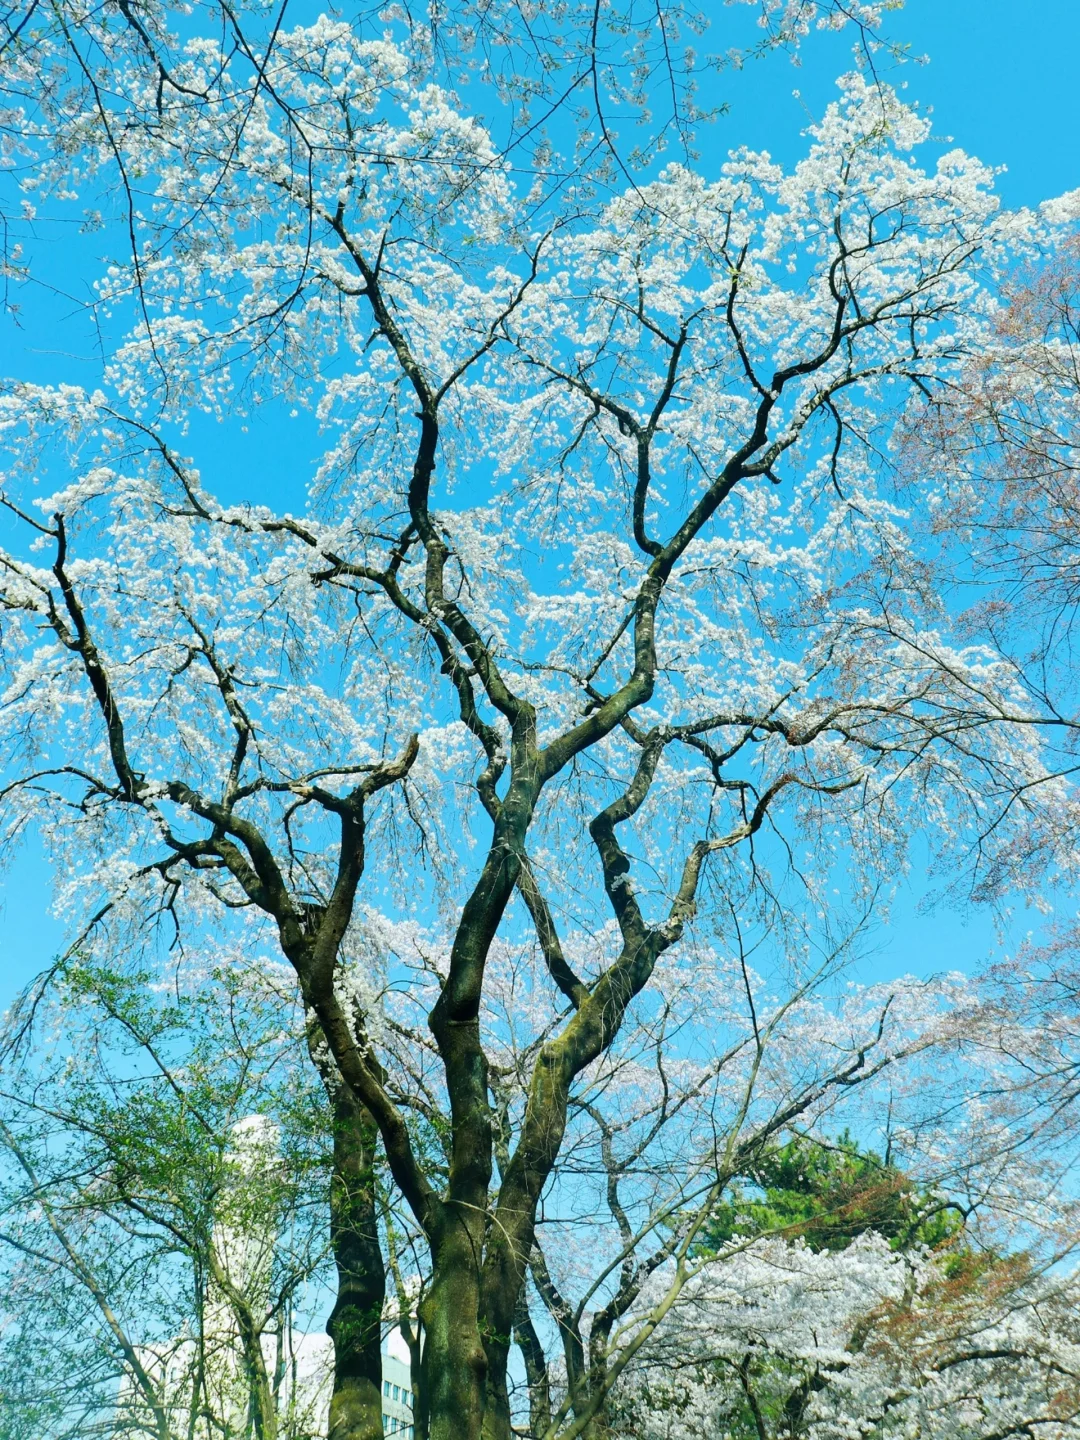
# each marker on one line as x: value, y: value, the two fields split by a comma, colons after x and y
x: 397, y: 1404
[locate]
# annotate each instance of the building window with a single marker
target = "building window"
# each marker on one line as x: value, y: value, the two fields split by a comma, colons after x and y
x: 386, y: 1388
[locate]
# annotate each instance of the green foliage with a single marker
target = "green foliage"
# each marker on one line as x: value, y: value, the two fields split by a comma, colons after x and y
x: 119, y: 1164
x: 827, y: 1195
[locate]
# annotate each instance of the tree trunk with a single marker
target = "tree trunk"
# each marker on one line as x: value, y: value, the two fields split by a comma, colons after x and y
x: 261, y: 1406
x: 454, y: 1363
x: 536, y: 1372
x: 355, y: 1321
x: 497, y: 1409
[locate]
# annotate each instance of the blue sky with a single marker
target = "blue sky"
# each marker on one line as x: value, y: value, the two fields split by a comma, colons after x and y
x: 1000, y: 81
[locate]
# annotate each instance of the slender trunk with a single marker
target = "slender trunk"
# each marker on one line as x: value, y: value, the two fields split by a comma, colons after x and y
x: 355, y: 1321
x: 598, y: 1427
x: 457, y: 1337
x: 497, y: 1424
x: 536, y: 1372
x: 408, y: 1322
x: 261, y: 1407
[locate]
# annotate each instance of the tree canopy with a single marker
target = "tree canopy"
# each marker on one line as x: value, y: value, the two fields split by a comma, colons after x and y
x: 618, y: 634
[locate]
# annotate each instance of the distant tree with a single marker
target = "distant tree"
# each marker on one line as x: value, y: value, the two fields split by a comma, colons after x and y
x: 828, y: 1194
x: 778, y: 1341
x: 162, y: 1174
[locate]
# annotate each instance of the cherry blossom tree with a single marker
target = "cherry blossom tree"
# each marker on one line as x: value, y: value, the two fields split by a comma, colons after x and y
x: 883, y: 1305
x: 692, y: 1094
x: 603, y: 619
x: 999, y: 445
x: 786, y: 1341
x: 574, y: 73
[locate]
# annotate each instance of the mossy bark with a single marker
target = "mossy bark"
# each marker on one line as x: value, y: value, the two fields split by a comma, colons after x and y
x: 354, y: 1324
